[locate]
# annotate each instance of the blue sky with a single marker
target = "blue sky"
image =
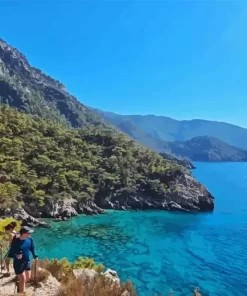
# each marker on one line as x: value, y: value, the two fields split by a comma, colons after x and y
x: 183, y: 59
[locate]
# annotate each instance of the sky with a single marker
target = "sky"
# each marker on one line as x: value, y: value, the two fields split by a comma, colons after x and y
x: 182, y: 59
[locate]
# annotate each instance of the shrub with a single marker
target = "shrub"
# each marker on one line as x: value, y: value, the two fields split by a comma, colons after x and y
x: 63, y: 269
x: 87, y: 263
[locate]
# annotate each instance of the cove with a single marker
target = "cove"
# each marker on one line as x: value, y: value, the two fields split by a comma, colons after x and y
x: 160, y: 251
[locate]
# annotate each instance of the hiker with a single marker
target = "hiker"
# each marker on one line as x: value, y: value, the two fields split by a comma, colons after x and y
x: 10, y: 229
x: 20, y: 251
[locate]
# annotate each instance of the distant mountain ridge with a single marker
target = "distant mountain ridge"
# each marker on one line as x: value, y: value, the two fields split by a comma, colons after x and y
x: 153, y: 131
x: 206, y: 149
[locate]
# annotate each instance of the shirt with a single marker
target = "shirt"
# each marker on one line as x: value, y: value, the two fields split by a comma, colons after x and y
x: 23, y: 247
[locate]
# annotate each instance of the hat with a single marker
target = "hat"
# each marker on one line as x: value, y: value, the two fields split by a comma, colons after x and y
x: 25, y: 229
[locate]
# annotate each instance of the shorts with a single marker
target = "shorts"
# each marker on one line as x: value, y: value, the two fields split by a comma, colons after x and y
x: 20, y: 266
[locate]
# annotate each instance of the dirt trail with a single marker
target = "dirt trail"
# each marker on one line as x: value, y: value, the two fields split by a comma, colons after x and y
x: 8, y: 287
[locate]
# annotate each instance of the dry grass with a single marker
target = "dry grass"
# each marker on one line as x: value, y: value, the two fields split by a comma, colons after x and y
x: 38, y: 274
x: 60, y: 269
x: 100, y: 285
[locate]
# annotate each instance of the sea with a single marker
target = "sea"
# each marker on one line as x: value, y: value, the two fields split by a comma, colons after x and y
x: 162, y: 252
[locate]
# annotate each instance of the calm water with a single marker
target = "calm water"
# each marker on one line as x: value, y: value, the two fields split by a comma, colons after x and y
x: 158, y: 250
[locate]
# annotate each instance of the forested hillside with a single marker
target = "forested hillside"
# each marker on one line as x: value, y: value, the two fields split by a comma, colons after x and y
x: 41, y: 160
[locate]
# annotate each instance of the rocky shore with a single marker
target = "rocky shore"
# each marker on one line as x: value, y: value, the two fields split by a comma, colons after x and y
x: 185, y: 194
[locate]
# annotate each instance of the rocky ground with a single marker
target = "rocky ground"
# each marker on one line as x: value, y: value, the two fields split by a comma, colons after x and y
x: 9, y: 288
x: 51, y: 286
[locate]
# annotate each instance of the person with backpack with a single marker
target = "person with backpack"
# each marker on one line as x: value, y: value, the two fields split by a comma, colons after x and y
x: 20, y: 250
x: 10, y: 229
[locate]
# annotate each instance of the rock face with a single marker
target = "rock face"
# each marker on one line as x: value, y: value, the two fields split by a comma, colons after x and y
x: 185, y: 194
x: 52, y: 208
x: 61, y: 209
x: 85, y: 273
x: 21, y: 214
x: 112, y: 275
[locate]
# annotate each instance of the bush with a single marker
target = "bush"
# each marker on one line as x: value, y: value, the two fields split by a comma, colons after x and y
x: 63, y: 269
x: 87, y: 263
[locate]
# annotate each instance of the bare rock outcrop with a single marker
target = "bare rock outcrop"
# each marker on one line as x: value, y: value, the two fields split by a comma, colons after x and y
x: 21, y: 214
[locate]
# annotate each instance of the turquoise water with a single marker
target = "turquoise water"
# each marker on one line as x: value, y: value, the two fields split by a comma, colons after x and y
x: 160, y: 251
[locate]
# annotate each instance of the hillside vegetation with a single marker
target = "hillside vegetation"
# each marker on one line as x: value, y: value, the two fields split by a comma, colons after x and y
x: 41, y: 159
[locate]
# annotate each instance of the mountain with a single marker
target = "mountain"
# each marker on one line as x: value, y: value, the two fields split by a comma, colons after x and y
x: 30, y: 90
x: 58, y: 157
x: 152, y: 131
x: 206, y: 149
